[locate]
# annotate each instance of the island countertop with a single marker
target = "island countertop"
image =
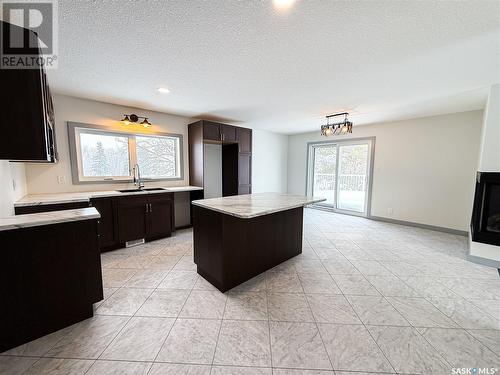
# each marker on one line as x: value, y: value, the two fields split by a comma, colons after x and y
x: 47, y: 218
x: 253, y: 205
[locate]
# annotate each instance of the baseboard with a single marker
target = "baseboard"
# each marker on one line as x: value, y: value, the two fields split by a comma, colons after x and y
x: 423, y: 226
x: 484, y: 261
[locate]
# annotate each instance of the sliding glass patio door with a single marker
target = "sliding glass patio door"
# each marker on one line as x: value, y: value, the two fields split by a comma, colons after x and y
x: 340, y: 172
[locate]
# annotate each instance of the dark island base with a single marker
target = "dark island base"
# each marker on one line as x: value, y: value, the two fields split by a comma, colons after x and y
x: 51, y: 276
x: 229, y: 250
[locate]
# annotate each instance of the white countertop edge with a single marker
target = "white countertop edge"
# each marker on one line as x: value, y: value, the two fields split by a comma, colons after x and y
x: 75, y: 197
x: 48, y: 218
x: 257, y: 214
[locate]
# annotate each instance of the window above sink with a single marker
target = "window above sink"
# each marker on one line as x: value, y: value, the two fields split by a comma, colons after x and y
x: 100, y: 155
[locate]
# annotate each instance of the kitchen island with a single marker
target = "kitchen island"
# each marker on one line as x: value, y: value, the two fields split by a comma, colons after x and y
x: 239, y: 237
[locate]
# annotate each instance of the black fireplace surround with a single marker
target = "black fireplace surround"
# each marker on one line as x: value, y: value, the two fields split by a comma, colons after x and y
x: 485, y: 223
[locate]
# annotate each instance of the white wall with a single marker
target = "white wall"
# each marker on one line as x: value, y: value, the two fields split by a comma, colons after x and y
x: 489, y: 160
x: 12, y: 186
x: 269, y: 162
x: 424, y: 169
x: 212, y: 170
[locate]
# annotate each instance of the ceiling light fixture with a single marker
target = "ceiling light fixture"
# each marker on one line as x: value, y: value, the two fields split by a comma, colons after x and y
x: 134, y: 119
x: 336, y: 128
x: 283, y: 4
x: 163, y: 90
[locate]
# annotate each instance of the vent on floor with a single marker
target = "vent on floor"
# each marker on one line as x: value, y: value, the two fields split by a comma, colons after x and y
x: 134, y: 242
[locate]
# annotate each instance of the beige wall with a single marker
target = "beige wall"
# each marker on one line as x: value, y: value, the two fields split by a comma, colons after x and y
x: 268, y: 172
x: 43, y: 178
x: 424, y: 169
x: 12, y: 186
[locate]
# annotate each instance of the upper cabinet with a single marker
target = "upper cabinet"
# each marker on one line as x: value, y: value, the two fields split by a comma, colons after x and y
x: 245, y: 140
x: 213, y: 131
x: 27, y: 112
x: 236, y: 155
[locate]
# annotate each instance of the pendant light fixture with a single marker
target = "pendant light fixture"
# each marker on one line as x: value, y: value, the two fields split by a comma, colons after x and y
x: 134, y: 119
x: 336, y: 128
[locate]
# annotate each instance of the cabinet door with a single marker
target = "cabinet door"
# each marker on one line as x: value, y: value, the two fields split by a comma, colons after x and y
x: 26, y: 137
x: 244, y: 169
x: 160, y: 214
x: 228, y: 133
x: 106, y: 222
x: 211, y: 131
x: 245, y: 139
x: 131, y: 219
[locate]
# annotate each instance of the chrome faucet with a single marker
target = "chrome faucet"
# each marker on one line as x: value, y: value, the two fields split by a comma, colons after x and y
x: 137, y: 177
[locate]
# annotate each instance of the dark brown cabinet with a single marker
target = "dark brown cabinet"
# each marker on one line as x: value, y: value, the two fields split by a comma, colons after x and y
x: 236, y: 155
x: 245, y: 140
x: 131, y: 218
x: 147, y: 217
x: 161, y: 218
x: 27, y: 113
x: 211, y: 131
x: 21, y: 210
x: 228, y: 133
x: 244, y: 169
x: 107, y: 237
x: 124, y: 218
x: 214, y: 131
x: 51, y: 276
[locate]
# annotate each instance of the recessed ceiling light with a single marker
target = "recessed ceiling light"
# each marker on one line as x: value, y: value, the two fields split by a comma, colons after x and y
x: 283, y: 4
x: 163, y: 90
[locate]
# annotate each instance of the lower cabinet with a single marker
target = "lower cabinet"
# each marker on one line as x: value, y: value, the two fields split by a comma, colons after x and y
x: 107, y: 236
x: 146, y: 217
x: 161, y: 217
x: 124, y: 218
x: 131, y: 218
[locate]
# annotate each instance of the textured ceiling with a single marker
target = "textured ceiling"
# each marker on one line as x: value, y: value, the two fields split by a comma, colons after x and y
x: 247, y: 63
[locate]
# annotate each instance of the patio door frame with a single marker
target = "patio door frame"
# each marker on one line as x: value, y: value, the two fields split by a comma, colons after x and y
x: 369, y: 173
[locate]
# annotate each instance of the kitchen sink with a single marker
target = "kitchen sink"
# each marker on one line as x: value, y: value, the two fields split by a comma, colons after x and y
x: 139, y: 190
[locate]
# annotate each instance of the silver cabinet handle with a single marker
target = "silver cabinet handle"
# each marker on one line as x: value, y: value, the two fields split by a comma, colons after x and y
x: 147, y: 207
x: 150, y: 207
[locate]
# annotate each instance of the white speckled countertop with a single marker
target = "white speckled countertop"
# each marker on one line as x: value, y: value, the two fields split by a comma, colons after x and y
x: 47, y: 218
x: 253, y: 205
x: 40, y: 199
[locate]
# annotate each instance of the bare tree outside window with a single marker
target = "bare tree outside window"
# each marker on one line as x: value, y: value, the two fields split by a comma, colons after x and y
x: 109, y: 156
x: 157, y: 156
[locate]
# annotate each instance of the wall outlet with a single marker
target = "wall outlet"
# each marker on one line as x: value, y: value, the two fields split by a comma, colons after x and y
x: 61, y: 179
x: 390, y: 211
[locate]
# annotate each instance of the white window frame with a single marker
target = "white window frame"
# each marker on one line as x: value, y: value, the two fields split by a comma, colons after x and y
x: 74, y: 131
x: 341, y: 142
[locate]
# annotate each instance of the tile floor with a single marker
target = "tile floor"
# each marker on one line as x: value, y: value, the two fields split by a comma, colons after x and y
x: 364, y: 297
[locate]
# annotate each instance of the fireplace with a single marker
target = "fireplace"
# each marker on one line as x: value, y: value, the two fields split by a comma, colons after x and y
x: 485, y: 223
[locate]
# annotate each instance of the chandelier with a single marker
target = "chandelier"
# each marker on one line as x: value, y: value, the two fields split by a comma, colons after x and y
x: 336, y: 128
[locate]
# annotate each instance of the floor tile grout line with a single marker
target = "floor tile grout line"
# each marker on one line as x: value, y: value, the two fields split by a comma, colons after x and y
x: 317, y: 328
x: 133, y: 315
x: 369, y: 333
x: 173, y: 324
x: 218, y: 333
x: 268, y: 314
